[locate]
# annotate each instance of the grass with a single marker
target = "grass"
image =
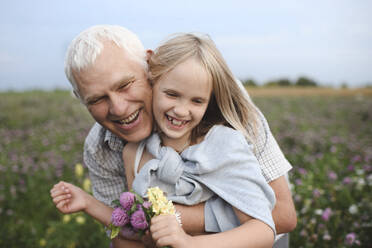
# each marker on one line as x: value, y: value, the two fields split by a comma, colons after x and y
x: 324, y: 133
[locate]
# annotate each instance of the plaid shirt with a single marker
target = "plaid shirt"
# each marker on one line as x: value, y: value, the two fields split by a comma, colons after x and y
x: 103, y: 157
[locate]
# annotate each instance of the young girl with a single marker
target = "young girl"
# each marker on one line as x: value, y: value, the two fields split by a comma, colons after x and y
x: 202, y: 114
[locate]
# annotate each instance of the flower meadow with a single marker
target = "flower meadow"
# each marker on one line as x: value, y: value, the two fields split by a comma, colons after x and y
x: 327, y: 139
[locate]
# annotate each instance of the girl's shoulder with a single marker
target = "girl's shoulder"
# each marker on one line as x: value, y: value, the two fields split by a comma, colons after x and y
x: 223, y: 135
x: 222, y: 132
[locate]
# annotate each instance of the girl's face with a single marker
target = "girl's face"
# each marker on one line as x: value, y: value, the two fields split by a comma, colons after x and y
x: 180, y: 99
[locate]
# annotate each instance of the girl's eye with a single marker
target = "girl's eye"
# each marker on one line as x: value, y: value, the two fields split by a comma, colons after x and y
x: 171, y: 94
x: 198, y: 101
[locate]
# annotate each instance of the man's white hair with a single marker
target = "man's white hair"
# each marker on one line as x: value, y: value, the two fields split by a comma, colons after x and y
x: 85, y: 48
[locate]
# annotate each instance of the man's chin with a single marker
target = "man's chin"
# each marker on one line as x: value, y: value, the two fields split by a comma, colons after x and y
x: 135, y: 135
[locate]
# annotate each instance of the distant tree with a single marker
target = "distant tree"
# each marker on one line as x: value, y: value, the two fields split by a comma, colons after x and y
x: 249, y: 82
x: 344, y: 85
x: 271, y: 83
x: 279, y: 82
x: 284, y: 82
x: 303, y: 81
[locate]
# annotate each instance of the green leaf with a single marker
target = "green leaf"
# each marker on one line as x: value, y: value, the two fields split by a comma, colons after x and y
x: 114, y: 231
x: 141, y: 233
x: 138, y: 197
x: 116, y: 203
x: 133, y: 208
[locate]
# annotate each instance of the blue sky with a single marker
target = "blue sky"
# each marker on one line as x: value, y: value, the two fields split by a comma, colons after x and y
x: 329, y: 41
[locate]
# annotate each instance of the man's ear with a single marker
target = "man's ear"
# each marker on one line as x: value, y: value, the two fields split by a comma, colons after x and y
x: 75, y: 94
x: 149, y: 53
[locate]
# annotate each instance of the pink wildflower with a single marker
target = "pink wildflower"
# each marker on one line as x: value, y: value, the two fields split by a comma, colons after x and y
x: 119, y: 217
x: 350, y: 238
x: 332, y: 175
x: 126, y: 200
x: 326, y: 214
x: 138, y: 220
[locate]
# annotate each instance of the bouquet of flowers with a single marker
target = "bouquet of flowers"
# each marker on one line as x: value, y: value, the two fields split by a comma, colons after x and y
x: 133, y: 214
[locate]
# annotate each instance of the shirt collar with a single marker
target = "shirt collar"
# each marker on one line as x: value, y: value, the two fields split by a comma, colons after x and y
x: 114, y: 142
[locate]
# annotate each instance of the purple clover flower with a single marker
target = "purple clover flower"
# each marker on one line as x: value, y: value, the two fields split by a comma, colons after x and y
x: 326, y: 214
x: 138, y: 220
x: 347, y: 180
x: 146, y: 204
x: 126, y: 200
x: 333, y: 149
x: 119, y: 217
x: 350, y: 167
x: 316, y: 193
x: 302, y: 171
x: 127, y: 231
x: 350, y: 238
x: 332, y: 175
x: 356, y: 158
x: 367, y: 168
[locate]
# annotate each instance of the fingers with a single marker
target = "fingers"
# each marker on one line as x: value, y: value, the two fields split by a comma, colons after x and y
x: 62, y: 197
x: 60, y: 194
x: 60, y: 187
x: 62, y: 204
x: 165, y: 230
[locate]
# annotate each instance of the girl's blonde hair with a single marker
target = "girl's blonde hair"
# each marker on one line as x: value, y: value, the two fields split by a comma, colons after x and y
x: 228, y: 105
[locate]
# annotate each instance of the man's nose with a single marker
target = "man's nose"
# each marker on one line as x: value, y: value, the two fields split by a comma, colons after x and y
x: 118, y: 105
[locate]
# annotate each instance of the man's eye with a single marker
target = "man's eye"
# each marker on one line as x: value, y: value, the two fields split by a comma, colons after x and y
x: 95, y: 101
x: 126, y: 85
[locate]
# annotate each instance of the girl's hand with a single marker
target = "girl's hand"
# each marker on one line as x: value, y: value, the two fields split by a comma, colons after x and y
x: 68, y: 198
x: 166, y: 231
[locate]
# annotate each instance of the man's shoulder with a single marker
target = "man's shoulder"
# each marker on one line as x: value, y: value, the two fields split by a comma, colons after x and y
x: 95, y: 138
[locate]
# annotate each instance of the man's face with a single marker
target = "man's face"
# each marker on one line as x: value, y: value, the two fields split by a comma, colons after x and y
x: 117, y: 93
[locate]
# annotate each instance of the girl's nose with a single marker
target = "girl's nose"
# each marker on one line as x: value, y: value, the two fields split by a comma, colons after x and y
x: 181, y: 110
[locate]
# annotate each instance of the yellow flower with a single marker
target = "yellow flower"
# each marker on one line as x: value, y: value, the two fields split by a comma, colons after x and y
x: 66, y: 218
x: 86, y: 185
x: 80, y: 220
x: 79, y: 170
x: 42, y: 242
x: 160, y: 204
x: 50, y: 230
x: 71, y: 245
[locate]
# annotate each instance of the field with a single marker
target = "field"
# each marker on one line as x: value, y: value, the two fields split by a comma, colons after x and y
x: 325, y: 134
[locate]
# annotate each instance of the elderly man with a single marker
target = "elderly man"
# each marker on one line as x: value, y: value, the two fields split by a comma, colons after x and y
x: 107, y: 67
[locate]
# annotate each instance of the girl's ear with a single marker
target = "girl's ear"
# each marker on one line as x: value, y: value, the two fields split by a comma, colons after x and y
x: 149, y: 53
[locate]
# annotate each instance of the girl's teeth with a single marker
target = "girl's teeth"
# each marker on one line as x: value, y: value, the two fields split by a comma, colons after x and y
x: 176, y: 122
